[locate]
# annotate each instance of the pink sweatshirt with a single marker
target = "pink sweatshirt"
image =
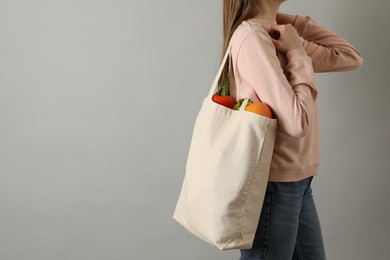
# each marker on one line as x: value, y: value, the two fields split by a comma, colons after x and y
x: 286, y: 82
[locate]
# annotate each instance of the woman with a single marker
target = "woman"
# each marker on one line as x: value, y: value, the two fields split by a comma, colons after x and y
x: 272, y: 65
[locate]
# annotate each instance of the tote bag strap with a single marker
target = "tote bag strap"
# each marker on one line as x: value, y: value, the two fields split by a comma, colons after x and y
x: 214, y: 86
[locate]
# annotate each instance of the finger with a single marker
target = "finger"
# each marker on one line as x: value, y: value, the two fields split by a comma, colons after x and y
x: 275, y: 42
x: 274, y: 27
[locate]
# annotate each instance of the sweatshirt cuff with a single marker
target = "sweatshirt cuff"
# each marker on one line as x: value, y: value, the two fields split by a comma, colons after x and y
x: 296, y: 54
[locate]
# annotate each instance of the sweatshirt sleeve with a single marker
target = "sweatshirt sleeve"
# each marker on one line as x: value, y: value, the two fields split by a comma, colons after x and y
x: 328, y: 51
x: 291, y: 100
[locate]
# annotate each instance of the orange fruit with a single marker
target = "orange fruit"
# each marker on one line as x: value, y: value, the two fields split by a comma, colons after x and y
x: 259, y: 108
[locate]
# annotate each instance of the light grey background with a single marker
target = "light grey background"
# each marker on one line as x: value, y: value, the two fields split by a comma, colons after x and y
x: 97, y: 104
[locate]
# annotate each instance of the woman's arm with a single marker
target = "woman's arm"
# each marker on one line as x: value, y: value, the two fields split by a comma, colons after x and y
x: 291, y: 100
x: 328, y: 51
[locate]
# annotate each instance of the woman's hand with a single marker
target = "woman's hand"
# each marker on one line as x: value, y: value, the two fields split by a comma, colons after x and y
x: 285, y: 37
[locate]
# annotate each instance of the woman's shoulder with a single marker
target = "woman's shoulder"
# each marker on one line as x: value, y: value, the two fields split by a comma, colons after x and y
x: 245, y: 29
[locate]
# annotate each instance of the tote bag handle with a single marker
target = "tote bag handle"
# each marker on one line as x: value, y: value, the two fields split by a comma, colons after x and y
x: 214, y: 86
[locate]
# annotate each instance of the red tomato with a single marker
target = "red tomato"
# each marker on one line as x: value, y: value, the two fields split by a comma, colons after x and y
x: 226, y: 101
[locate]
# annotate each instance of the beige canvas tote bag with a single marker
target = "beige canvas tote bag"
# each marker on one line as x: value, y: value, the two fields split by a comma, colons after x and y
x: 226, y: 174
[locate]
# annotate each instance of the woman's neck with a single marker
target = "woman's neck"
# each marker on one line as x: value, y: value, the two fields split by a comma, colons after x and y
x: 268, y: 10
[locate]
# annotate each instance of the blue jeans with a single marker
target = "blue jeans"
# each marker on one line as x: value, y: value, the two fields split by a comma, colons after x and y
x: 289, y: 227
